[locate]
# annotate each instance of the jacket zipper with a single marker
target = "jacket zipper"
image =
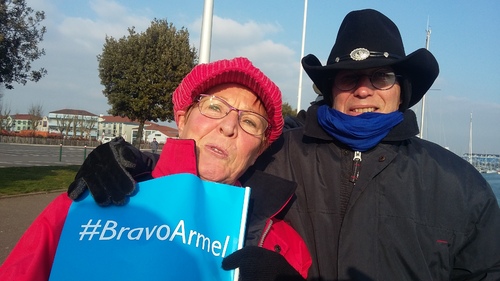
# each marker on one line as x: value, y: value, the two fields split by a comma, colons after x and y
x: 356, y: 166
x: 267, y: 228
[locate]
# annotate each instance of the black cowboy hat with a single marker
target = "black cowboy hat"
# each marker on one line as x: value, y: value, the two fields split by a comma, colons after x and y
x: 369, y: 39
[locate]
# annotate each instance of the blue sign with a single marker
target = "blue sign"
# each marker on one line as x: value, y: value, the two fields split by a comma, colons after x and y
x: 177, y: 227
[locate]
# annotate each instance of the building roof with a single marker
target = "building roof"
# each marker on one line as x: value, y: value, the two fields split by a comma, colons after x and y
x: 22, y: 117
x: 73, y: 112
x: 117, y: 119
x: 169, y: 131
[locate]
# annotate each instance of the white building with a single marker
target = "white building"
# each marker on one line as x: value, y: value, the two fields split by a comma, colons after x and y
x: 115, y: 126
x: 73, y: 123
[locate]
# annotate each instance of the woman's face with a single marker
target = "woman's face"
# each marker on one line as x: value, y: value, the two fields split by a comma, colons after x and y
x: 364, y: 97
x: 224, y: 150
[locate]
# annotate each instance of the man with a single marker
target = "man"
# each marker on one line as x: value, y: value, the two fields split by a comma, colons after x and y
x: 373, y: 201
x: 154, y: 146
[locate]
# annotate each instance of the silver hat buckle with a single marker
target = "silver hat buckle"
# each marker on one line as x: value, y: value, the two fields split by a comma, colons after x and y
x: 359, y: 54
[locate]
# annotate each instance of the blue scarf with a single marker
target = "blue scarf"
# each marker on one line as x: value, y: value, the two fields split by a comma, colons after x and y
x: 360, y: 132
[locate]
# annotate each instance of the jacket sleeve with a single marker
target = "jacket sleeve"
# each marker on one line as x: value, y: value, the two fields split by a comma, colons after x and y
x: 479, y: 259
x: 32, y: 257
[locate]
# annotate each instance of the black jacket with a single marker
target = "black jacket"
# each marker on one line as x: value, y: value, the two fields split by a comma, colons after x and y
x: 416, y: 212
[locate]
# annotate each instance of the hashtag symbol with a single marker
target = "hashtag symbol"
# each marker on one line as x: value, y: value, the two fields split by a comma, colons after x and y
x: 94, y: 229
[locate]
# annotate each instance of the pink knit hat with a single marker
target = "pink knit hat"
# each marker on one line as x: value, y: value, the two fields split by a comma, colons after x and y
x: 240, y: 71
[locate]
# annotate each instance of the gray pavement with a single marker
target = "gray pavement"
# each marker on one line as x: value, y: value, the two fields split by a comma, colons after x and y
x: 17, y: 213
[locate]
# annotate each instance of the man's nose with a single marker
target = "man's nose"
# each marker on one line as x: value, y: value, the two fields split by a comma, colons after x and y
x: 364, y: 87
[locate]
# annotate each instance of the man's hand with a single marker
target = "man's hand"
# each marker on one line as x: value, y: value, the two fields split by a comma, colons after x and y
x: 259, y: 264
x: 110, y: 172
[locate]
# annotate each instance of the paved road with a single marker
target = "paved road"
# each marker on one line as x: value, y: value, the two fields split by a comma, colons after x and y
x: 17, y: 213
x: 23, y: 155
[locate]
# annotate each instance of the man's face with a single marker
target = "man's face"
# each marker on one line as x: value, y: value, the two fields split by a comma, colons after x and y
x: 372, y: 90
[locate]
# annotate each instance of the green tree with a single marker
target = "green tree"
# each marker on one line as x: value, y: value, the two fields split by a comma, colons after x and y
x: 20, y: 33
x: 287, y: 110
x: 140, y: 71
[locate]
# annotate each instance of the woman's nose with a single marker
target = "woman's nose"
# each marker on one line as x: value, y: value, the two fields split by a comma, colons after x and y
x: 229, y: 124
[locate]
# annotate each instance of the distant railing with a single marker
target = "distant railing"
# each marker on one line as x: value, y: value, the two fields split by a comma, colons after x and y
x: 484, y: 162
x: 48, y: 141
x: 59, y: 141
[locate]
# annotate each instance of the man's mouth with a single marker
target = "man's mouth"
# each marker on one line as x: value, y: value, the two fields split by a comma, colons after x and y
x: 363, y: 110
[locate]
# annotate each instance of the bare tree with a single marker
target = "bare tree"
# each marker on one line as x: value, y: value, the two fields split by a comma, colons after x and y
x: 68, y: 122
x: 6, y: 120
x: 35, y: 113
x: 89, y: 125
x: 63, y: 124
x: 76, y: 122
x: 80, y: 123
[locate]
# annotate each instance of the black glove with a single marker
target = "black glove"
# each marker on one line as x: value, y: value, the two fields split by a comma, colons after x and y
x: 110, y: 172
x: 259, y: 264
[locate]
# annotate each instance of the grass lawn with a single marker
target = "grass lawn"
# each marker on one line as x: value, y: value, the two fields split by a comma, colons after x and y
x: 19, y: 180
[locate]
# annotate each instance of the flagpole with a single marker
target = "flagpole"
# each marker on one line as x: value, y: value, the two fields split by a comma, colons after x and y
x: 206, y: 31
x: 422, y: 114
x: 299, y: 95
x: 470, y: 139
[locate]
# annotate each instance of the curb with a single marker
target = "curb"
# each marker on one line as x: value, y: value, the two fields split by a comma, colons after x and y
x: 31, y: 193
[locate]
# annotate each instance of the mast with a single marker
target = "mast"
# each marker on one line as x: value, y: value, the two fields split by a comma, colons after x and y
x: 470, y: 139
x: 299, y: 94
x: 422, y: 114
x: 206, y: 31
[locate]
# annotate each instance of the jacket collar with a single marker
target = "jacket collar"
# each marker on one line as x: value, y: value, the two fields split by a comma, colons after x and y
x: 270, y: 194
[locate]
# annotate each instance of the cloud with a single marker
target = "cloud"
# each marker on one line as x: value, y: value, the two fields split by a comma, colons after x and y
x: 254, y: 40
x: 111, y: 19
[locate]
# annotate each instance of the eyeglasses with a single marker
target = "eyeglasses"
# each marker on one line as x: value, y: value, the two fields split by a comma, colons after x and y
x: 382, y: 79
x: 216, y: 108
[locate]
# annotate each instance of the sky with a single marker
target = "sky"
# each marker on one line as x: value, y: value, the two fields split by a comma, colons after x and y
x: 464, y: 39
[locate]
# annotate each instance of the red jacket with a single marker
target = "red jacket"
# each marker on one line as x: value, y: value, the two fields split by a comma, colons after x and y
x: 32, y: 257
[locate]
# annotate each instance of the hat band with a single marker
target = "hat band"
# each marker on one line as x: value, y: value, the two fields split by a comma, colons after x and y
x: 360, y: 54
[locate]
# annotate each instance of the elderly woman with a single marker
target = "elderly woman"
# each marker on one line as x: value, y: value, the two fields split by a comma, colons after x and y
x: 227, y: 112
